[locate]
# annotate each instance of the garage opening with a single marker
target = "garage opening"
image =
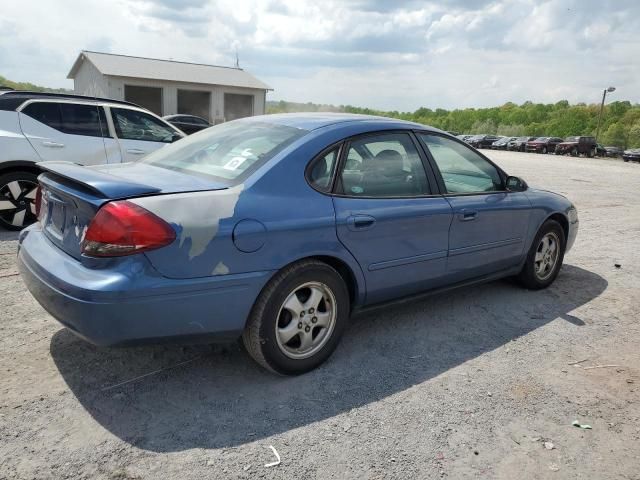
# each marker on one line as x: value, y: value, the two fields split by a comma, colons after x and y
x: 237, y: 106
x: 193, y: 102
x: 147, y: 97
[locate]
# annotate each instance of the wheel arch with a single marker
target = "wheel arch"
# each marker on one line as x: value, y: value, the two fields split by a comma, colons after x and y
x: 354, y: 280
x: 19, y: 166
x: 562, y: 220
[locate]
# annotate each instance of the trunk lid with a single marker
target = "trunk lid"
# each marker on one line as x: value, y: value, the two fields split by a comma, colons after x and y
x: 72, y: 194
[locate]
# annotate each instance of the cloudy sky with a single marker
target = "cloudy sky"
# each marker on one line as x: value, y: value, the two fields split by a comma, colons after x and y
x: 379, y: 53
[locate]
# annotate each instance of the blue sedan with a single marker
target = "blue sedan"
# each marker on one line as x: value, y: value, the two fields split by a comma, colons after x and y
x: 276, y: 229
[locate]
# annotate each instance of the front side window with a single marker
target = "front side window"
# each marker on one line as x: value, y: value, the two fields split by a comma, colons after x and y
x: 385, y: 165
x: 228, y: 152
x: 462, y: 169
x: 135, y: 125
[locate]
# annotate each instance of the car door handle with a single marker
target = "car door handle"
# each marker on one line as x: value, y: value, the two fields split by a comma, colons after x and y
x: 135, y: 151
x: 468, y: 215
x: 360, y: 222
x: 50, y: 144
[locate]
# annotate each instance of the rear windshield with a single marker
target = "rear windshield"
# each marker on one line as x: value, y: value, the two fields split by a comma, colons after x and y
x: 229, y: 152
x: 572, y: 139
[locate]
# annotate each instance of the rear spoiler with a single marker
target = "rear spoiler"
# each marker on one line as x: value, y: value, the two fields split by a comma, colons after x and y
x: 100, y: 183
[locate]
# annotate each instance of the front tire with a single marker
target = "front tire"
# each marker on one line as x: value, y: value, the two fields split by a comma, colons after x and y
x: 298, y: 318
x: 17, y: 199
x: 545, y: 257
x: 544, y: 150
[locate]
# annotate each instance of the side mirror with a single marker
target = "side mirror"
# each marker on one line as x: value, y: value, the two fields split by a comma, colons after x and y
x: 516, y: 184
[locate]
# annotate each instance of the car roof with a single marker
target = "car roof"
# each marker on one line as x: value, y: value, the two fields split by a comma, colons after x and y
x: 12, y: 99
x: 314, y: 120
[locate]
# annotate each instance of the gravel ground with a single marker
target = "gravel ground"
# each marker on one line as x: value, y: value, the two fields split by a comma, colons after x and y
x: 477, y: 383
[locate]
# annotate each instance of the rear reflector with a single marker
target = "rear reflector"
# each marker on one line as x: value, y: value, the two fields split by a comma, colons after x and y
x: 39, y: 199
x: 124, y: 228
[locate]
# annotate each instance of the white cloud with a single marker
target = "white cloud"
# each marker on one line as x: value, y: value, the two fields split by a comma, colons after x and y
x: 390, y: 55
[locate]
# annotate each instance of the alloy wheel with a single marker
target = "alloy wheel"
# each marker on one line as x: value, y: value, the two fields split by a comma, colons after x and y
x: 18, y: 203
x: 547, y: 255
x: 306, y: 320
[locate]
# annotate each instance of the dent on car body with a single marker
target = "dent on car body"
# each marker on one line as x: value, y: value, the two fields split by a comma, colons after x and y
x: 196, y: 216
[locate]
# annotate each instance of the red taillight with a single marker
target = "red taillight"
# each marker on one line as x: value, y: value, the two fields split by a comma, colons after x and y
x: 123, y: 228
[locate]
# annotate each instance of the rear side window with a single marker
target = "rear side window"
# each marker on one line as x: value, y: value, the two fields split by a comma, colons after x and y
x: 70, y: 118
x: 384, y: 165
x: 135, y: 125
x: 45, y: 112
x: 321, y: 170
x: 83, y: 120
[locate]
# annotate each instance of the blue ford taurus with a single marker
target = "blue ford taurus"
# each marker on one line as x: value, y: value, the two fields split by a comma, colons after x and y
x: 276, y: 229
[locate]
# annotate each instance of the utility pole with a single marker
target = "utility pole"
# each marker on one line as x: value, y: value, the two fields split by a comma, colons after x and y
x: 604, y: 95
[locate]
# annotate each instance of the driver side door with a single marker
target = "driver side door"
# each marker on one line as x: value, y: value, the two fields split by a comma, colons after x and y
x: 140, y: 133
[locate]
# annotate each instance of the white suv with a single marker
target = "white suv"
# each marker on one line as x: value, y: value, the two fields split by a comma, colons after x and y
x: 89, y: 131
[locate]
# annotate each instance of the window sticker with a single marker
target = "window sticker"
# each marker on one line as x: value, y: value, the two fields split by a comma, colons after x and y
x: 234, y: 163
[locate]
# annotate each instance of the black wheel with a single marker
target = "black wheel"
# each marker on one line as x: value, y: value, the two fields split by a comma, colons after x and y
x: 574, y: 152
x: 544, y: 150
x: 298, y: 318
x: 545, y: 257
x: 18, y: 199
x: 591, y: 153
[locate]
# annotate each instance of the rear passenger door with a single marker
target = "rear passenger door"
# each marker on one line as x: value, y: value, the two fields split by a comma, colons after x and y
x: 390, y: 216
x: 139, y: 133
x: 66, y: 131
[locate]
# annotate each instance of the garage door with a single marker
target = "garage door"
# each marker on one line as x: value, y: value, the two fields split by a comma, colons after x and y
x: 193, y: 102
x: 237, y: 106
x: 147, y: 97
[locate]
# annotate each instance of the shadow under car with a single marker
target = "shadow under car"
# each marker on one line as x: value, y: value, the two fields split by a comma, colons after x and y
x: 220, y: 398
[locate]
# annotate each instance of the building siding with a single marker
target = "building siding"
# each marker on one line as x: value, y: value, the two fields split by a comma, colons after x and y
x: 89, y: 80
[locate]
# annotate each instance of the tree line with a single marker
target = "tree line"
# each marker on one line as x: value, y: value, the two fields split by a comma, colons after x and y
x: 620, y: 120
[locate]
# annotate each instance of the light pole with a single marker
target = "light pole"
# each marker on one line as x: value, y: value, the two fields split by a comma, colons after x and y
x: 604, y: 94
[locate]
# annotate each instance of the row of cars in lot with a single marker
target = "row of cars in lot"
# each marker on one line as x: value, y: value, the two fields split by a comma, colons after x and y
x: 574, y: 146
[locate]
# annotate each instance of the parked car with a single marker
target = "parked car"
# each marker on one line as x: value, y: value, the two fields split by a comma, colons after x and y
x: 519, y: 143
x: 543, y: 144
x: 632, y: 155
x: 45, y: 126
x: 187, y: 123
x: 276, y: 229
x: 577, y: 145
x: 600, y: 150
x: 612, y: 151
x: 501, y: 143
x: 483, y: 141
x: 463, y: 137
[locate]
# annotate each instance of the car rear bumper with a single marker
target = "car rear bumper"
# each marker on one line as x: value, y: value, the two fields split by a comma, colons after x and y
x: 129, y: 305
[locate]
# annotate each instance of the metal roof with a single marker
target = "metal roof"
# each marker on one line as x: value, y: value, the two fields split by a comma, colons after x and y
x: 152, y: 68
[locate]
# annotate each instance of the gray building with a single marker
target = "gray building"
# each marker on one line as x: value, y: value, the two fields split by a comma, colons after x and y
x: 168, y: 87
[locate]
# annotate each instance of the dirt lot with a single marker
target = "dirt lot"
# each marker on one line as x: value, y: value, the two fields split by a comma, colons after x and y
x: 478, y: 383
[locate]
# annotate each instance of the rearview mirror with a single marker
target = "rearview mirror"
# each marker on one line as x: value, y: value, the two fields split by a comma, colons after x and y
x: 516, y: 184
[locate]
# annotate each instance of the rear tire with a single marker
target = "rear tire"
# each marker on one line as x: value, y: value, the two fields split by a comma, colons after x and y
x: 574, y: 152
x: 298, y: 318
x: 545, y: 257
x: 17, y: 199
